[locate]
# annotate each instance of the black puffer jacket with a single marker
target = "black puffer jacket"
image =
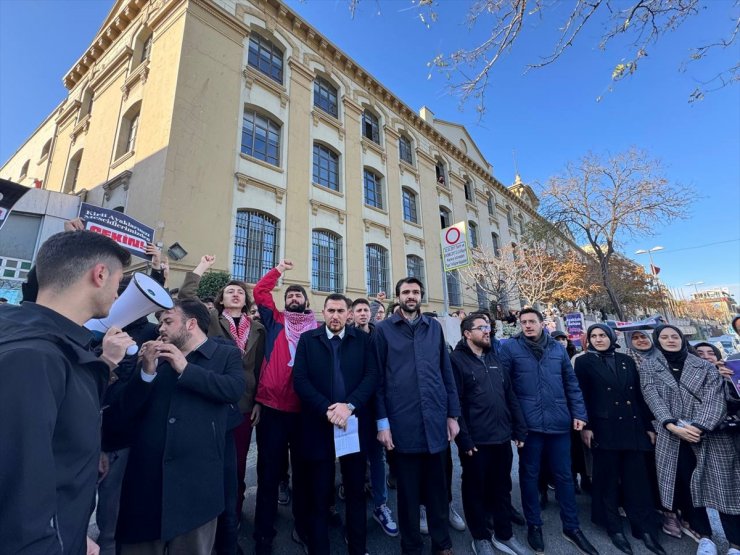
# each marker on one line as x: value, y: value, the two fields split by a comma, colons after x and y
x: 490, y: 410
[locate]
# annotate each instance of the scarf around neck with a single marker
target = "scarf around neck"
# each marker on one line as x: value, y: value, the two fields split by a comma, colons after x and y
x: 675, y: 359
x: 240, y: 334
x: 297, y: 323
x: 537, y: 346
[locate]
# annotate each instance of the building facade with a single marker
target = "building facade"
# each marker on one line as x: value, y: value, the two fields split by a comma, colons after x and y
x: 237, y: 129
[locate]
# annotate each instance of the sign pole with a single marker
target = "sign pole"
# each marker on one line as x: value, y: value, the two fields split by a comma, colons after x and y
x: 444, y: 289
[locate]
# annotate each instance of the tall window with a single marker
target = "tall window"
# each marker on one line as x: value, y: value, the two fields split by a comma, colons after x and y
x: 373, y: 189
x: 325, y: 167
x: 24, y: 169
x: 73, y: 171
x: 521, y: 226
x: 370, y: 127
x: 326, y: 274
x: 46, y: 148
x: 491, y: 206
x: 255, y: 245
x: 128, y: 130
x: 415, y: 267
x: 439, y: 169
x: 377, y: 269
x: 404, y: 149
x: 453, y: 288
x: 482, y: 296
x: 469, y: 195
x: 473, y: 233
x: 87, y: 103
x: 261, y: 137
x: 325, y: 96
x: 509, y: 217
x: 146, y: 49
x: 265, y: 57
x: 410, y: 211
x: 445, y: 219
x: 496, y: 245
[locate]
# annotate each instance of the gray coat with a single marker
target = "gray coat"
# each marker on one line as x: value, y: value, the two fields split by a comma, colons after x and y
x: 698, y: 399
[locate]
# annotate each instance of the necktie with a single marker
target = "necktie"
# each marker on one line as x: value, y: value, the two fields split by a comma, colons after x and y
x: 338, y: 392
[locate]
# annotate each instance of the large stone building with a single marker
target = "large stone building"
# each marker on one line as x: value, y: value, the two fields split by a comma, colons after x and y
x: 236, y: 128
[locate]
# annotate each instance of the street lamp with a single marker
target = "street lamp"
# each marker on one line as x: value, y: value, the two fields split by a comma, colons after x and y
x: 650, y: 252
x: 694, y: 283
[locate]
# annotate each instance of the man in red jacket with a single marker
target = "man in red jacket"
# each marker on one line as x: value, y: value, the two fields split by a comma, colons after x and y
x: 280, y: 407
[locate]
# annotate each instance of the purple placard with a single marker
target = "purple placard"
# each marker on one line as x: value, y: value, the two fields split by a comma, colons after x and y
x: 734, y: 365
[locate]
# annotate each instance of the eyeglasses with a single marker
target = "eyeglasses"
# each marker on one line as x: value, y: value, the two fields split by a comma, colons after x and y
x: 483, y: 328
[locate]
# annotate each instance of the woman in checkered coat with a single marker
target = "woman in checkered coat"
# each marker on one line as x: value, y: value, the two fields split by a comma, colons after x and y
x: 697, y: 467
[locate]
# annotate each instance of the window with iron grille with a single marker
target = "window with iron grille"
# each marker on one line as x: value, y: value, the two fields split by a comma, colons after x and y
x: 266, y: 57
x: 469, y: 195
x: 325, y: 167
x: 404, y: 150
x: 444, y: 217
x: 326, y: 274
x: 325, y: 96
x: 482, y: 297
x: 473, y: 233
x: 256, y: 243
x: 453, y: 288
x: 496, y: 246
x: 415, y: 267
x: 261, y: 137
x: 377, y: 269
x: 373, y: 189
x: 410, y: 211
x: 370, y: 127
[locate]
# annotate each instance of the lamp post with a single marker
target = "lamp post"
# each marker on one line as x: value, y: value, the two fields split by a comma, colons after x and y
x: 650, y: 252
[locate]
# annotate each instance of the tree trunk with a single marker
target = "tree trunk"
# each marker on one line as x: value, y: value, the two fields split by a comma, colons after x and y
x: 604, y: 266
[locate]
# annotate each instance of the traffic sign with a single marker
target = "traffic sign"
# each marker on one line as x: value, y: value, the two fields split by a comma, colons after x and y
x: 455, y: 248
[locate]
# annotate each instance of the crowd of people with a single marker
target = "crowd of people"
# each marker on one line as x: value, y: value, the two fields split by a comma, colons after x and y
x: 156, y: 442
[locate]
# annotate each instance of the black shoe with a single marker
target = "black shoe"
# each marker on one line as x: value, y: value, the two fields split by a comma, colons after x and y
x: 652, y: 544
x: 534, y: 537
x: 577, y: 538
x: 621, y: 543
x: 517, y: 517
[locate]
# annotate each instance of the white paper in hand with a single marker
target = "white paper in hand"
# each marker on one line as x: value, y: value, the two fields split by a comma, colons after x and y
x: 347, y: 441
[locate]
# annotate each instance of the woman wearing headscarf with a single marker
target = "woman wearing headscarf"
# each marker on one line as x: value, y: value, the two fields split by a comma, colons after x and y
x: 698, y: 467
x: 620, y: 435
x: 640, y: 346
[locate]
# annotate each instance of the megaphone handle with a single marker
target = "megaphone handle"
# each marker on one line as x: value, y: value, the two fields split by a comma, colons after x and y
x: 132, y: 350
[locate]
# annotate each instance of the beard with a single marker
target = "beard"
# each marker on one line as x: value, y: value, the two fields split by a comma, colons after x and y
x: 481, y: 344
x: 294, y: 307
x: 406, y: 308
x: 179, y: 340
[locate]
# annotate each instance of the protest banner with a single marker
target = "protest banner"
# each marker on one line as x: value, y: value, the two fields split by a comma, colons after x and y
x: 574, y: 326
x: 124, y: 230
x: 10, y: 193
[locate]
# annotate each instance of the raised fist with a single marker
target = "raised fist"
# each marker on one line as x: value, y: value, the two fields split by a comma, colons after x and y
x: 285, y: 265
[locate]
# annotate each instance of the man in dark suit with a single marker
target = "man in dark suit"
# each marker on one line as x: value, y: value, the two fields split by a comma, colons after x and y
x: 335, y: 374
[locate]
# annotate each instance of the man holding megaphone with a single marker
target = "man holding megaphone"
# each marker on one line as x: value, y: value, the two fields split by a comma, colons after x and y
x: 50, y: 389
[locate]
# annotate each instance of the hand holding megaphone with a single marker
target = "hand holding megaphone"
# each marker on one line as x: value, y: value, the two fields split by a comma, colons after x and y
x: 116, y: 343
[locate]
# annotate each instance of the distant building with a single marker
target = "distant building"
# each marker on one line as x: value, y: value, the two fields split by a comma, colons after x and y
x: 236, y: 128
x: 720, y: 300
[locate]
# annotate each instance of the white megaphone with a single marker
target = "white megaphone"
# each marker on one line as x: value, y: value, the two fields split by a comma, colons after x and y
x: 141, y: 297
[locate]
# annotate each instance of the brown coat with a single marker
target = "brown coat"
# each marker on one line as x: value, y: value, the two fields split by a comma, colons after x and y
x: 254, y: 351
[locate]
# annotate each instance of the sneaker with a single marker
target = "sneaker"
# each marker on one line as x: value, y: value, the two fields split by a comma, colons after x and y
x: 483, y: 547
x: 577, y: 538
x: 456, y: 521
x: 297, y: 539
x: 534, y: 538
x: 706, y: 547
x: 284, y: 493
x: 384, y: 517
x: 686, y: 529
x: 340, y: 492
x: 510, y: 546
x: 423, y: 526
x: 671, y: 525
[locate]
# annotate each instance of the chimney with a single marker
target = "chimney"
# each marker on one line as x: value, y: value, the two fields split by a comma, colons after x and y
x: 427, y: 115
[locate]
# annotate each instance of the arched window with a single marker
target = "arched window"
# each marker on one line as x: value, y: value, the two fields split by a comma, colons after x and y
x: 266, y: 57
x: 491, y: 206
x: 88, y: 98
x: 410, y: 209
x: 373, y: 189
x: 377, y: 269
x: 326, y: 273
x: 473, y: 234
x: 256, y: 244
x: 73, y: 171
x: 469, y: 192
x: 404, y: 150
x: 260, y: 137
x: 370, y: 126
x: 441, y: 173
x: 509, y: 217
x: 143, y: 47
x: 24, y: 169
x: 128, y: 129
x: 496, y: 245
x: 325, y: 96
x: 445, y: 218
x: 325, y: 167
x: 415, y: 267
x: 453, y: 288
x: 46, y: 148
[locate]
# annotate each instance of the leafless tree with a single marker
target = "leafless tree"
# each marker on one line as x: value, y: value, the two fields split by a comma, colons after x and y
x: 604, y: 200
x: 491, y: 273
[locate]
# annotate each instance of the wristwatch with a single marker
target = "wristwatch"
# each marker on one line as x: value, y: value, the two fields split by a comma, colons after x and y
x: 351, y: 407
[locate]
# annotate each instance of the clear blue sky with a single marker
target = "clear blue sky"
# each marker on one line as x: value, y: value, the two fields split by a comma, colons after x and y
x: 548, y: 116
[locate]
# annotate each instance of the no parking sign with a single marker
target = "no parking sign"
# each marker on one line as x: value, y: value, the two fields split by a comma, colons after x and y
x: 455, y: 248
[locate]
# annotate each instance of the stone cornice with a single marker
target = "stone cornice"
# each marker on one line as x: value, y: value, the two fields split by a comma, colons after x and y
x: 252, y: 76
x: 111, y: 67
x: 68, y: 111
x: 317, y: 205
x: 121, y: 180
x: 243, y: 181
x: 234, y: 24
x: 372, y: 223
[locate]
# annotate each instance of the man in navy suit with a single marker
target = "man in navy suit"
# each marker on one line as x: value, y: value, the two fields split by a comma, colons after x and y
x: 335, y: 374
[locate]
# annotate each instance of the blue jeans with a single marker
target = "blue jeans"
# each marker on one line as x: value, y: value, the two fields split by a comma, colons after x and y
x: 556, y: 448
x: 376, y: 456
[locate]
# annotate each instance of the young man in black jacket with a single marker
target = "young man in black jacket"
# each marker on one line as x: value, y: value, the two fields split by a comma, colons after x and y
x: 491, y: 419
